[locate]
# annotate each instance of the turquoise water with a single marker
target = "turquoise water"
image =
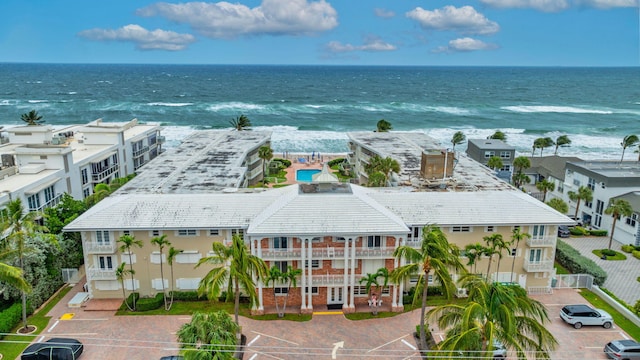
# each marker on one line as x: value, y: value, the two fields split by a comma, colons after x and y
x: 306, y: 175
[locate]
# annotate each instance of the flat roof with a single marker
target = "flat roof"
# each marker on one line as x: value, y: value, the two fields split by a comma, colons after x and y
x: 207, y: 160
x: 611, y: 169
x: 491, y: 144
x: 19, y: 181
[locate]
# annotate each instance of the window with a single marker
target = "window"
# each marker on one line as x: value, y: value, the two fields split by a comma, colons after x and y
x: 187, y: 283
x: 374, y: 241
x: 535, y: 255
x: 360, y: 290
x: 315, y: 264
x: 538, y: 231
x: 49, y: 194
x: 156, y: 259
x: 239, y: 232
x: 86, y: 192
x: 313, y: 291
x: 155, y: 233
x: 282, y: 265
x: 415, y: 233
x: 280, y: 242
x: 316, y: 239
x: 126, y: 232
x: 339, y: 239
x: 488, y: 154
x: 591, y: 184
x: 631, y: 221
x: 514, y: 252
x: 105, y: 262
x: 506, y: 168
x: 102, y: 237
x: 188, y: 257
x: 460, y: 229
x: 214, y: 232
x: 505, y: 154
x: 280, y: 291
x: 34, y: 202
x: 187, y: 232
x: 490, y: 229
x: 85, y: 176
x: 576, y: 182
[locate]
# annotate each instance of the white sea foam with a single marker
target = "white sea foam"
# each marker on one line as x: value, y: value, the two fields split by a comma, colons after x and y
x: 555, y: 109
x: 5, y: 102
x: 37, y: 101
x: 169, y: 104
x: 234, y: 106
x: 72, y: 93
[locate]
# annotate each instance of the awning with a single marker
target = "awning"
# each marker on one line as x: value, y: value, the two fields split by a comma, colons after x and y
x: 41, y: 187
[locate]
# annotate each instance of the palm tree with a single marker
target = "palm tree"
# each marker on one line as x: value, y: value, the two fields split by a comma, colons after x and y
x: 32, y: 118
x: 383, y: 126
x: 241, y: 123
x: 369, y: 281
x: 559, y: 205
x: 457, y: 139
x: 386, y: 166
x: 210, y: 336
x: 12, y: 275
x: 521, y: 163
x: 173, y: 252
x: 266, y: 154
x: 584, y: 193
x: 562, y: 140
x: 542, y: 143
x: 274, y: 276
x: 234, y: 267
x: 435, y: 255
x: 617, y: 208
x: 495, y: 163
x: 128, y: 242
x: 494, y: 313
x: 161, y: 242
x: 516, y: 237
x: 545, y: 186
x: 628, y: 141
x: 495, y: 245
x: 474, y: 253
x: 498, y: 135
x: 290, y: 277
x: 121, y: 273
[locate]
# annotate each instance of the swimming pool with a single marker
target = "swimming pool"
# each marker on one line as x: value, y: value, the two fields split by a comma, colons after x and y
x: 306, y: 175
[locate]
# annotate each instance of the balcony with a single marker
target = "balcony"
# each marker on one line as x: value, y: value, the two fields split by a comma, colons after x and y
x: 541, y: 241
x: 414, y: 243
x: 140, y: 152
x: 281, y: 254
x: 95, y: 273
x: 374, y: 252
x: 103, y: 174
x: 94, y: 247
x: 538, y: 266
x: 326, y: 280
x: 325, y: 253
x: 51, y: 203
x: 161, y: 139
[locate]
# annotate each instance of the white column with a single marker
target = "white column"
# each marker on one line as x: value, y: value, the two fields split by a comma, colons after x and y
x: 394, y: 296
x: 346, y: 274
x: 309, y: 253
x: 352, y: 304
x: 402, y: 242
x: 304, y: 276
x: 258, y: 250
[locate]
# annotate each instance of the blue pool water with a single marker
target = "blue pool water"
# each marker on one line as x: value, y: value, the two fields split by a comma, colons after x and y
x: 306, y: 175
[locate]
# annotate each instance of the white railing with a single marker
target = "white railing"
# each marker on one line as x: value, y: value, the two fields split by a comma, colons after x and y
x: 94, y: 247
x: 413, y: 243
x: 51, y: 203
x: 327, y: 253
x: 374, y: 252
x: 141, y: 151
x: 547, y: 240
x: 320, y: 280
x: 539, y: 290
x: 101, y: 274
x: 104, y: 173
x: 538, y: 266
x: 277, y: 254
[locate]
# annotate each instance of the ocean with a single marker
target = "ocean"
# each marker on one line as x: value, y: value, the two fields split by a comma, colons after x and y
x: 310, y: 108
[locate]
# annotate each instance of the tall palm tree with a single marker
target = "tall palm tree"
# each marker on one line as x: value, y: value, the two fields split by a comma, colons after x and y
x: 498, y: 135
x: 121, y: 273
x: 474, y: 253
x: 173, y: 252
x: 386, y: 166
x: 559, y: 205
x: 494, y: 313
x: 435, y: 255
x: 495, y: 163
x: 562, y: 140
x: 32, y: 118
x: 457, y: 139
x: 516, y: 237
x: 545, y: 186
x: 127, y: 243
x: 241, y: 123
x: 12, y: 275
x: 210, y: 336
x: 369, y: 280
x: 628, y: 141
x: 495, y: 245
x: 266, y: 154
x: 383, y: 126
x: 235, y: 267
x: 161, y: 242
x: 617, y: 208
x: 520, y: 163
x: 583, y: 193
x: 542, y: 143
x: 289, y: 278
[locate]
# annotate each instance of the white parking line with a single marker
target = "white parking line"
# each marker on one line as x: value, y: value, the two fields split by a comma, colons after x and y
x: 623, y: 335
x: 254, y: 340
x: 408, y: 344
x: 253, y: 357
x: 273, y: 337
x: 53, y: 326
x: 376, y: 348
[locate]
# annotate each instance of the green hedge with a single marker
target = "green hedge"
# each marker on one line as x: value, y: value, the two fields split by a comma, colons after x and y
x: 571, y: 259
x: 187, y: 296
x: 284, y: 162
x: 608, y: 252
x: 9, y: 318
x: 147, y: 304
x: 335, y: 162
x: 578, y: 231
x: 636, y: 254
x: 628, y: 248
x: 598, y: 232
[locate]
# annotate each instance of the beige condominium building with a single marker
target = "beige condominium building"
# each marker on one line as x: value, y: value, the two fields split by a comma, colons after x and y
x: 336, y: 233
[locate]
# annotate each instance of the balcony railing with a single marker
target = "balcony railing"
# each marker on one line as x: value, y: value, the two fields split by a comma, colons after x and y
x: 328, y: 253
x: 414, y: 243
x: 94, y: 247
x: 51, y: 203
x: 324, y: 280
x: 366, y: 252
x: 538, y: 266
x: 277, y: 254
x: 547, y: 240
x: 140, y: 152
x: 96, y: 273
x: 104, y: 173
x: 324, y: 253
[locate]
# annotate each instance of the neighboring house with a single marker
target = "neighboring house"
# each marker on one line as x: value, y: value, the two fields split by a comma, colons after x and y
x: 628, y: 229
x: 40, y: 164
x: 481, y: 150
x: 551, y: 168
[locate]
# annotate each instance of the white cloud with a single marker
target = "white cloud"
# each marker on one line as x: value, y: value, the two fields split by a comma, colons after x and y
x: 464, y: 45
x: 542, y: 5
x: 383, y: 13
x: 226, y: 20
x: 608, y: 4
x: 143, y: 38
x: 463, y: 19
x: 370, y: 44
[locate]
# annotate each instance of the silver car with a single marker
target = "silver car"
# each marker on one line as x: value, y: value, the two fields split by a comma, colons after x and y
x: 578, y: 315
x: 623, y: 349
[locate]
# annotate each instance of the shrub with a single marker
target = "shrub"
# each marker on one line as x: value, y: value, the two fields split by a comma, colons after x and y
x: 9, y: 318
x: 284, y: 162
x: 187, y: 296
x: 598, y: 232
x: 335, y: 162
x: 636, y: 308
x: 571, y: 259
x: 608, y: 252
x: 434, y: 290
x: 147, y: 304
x: 636, y: 254
x: 578, y: 231
x: 628, y: 248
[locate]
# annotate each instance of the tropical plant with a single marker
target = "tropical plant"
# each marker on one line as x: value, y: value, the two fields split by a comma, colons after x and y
x: 32, y: 118
x: 542, y: 143
x: 162, y: 242
x: 277, y: 277
x: 435, y: 255
x: 559, y: 205
x: 370, y: 280
x: 377, y: 179
x: 495, y: 163
x: 457, y: 139
x: 495, y: 245
x: 210, y: 336
x: 383, y: 126
x: 521, y: 163
x: 266, y: 154
x: 241, y: 123
x: 173, y: 252
x: 617, y: 208
x: 516, y: 237
x: 11, y: 275
x: 235, y: 267
x: 127, y: 243
x: 121, y: 273
x: 628, y: 141
x: 493, y: 313
x: 545, y: 186
x: 562, y: 140
x: 583, y: 193
x: 498, y: 135
x: 386, y: 166
x: 473, y: 253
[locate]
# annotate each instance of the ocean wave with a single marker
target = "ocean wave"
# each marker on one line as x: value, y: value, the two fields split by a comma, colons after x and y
x: 235, y: 106
x: 169, y: 104
x: 554, y: 109
x: 5, y: 102
x: 37, y: 101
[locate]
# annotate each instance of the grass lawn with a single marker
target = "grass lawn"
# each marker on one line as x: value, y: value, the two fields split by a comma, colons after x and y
x: 13, y: 345
x: 619, y: 320
x: 561, y: 270
x: 618, y: 256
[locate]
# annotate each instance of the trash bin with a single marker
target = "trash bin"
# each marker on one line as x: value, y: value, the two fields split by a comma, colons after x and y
x: 554, y: 281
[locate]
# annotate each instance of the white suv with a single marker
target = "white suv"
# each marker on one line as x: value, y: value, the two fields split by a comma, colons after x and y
x: 578, y: 315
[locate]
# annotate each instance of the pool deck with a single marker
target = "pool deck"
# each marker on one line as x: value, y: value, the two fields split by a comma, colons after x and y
x: 308, y: 164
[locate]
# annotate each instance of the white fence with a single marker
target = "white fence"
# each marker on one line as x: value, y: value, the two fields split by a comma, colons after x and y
x: 573, y: 281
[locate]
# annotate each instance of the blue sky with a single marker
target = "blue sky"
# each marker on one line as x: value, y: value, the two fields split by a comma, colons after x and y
x: 332, y: 32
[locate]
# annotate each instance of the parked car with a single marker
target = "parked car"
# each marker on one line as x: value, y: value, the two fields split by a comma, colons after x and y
x: 623, y: 349
x: 172, y: 357
x: 499, y: 351
x: 563, y: 231
x: 578, y: 315
x: 53, y: 349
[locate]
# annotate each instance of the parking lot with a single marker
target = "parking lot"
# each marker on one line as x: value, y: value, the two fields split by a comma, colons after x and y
x: 149, y: 337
